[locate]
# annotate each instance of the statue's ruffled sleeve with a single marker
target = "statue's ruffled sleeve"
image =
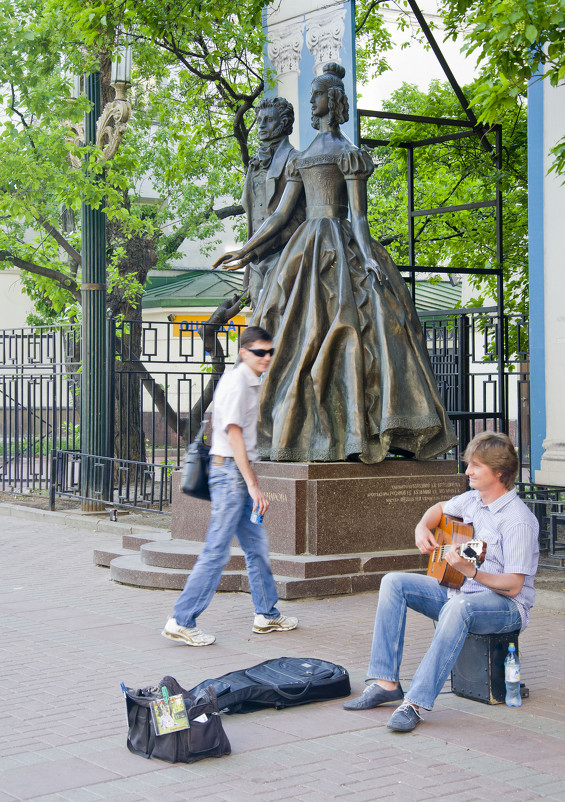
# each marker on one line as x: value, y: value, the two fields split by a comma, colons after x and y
x: 292, y: 172
x: 356, y: 164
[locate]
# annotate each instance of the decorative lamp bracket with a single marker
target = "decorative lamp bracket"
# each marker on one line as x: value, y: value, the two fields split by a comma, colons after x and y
x: 112, y: 123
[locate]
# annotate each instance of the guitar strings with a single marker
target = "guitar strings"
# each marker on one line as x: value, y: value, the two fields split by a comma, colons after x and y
x: 441, y: 551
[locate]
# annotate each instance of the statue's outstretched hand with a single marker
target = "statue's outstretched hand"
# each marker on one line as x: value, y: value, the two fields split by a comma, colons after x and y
x: 232, y: 261
x: 372, y: 266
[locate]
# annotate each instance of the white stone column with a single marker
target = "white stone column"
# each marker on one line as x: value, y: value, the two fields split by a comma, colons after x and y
x: 327, y: 28
x: 285, y: 50
x: 553, y: 460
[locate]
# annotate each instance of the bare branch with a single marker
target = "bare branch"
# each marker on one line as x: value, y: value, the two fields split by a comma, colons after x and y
x: 359, y: 27
x: 60, y: 240
x: 179, y: 236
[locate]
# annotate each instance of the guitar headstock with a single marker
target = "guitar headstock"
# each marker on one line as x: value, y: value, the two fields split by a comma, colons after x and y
x: 474, y: 551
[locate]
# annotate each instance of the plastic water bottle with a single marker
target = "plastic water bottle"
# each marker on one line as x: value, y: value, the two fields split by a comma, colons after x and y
x: 512, y: 677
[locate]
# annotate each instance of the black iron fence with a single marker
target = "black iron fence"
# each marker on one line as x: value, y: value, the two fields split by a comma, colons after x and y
x: 161, y: 373
x: 548, y: 505
x: 128, y: 484
x: 481, y: 365
x: 40, y: 386
x: 162, y: 381
x: 164, y: 375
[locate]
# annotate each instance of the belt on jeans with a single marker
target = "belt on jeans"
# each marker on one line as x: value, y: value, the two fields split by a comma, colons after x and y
x: 217, y: 460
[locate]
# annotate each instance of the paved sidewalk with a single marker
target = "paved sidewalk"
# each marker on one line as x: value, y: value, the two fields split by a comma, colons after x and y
x: 70, y: 636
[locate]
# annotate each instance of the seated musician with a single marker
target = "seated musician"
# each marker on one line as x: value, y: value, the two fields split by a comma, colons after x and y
x: 494, y: 598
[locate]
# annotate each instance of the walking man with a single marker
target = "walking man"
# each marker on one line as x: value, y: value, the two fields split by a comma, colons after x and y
x: 235, y: 492
x: 494, y: 598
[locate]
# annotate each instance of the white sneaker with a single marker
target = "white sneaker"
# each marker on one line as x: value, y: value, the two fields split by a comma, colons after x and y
x: 192, y: 636
x: 281, y: 624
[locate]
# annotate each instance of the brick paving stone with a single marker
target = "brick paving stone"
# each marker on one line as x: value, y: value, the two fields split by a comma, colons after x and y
x: 418, y: 782
x: 52, y: 777
x: 369, y: 794
x: 326, y: 786
x: 512, y: 772
x: 538, y: 782
x: 469, y: 796
x: 79, y: 795
x: 48, y: 798
x: 282, y: 796
x: 68, y: 636
x: 554, y: 790
x: 238, y: 795
x: 313, y: 797
x: 211, y: 797
x: 406, y: 792
x: 121, y: 788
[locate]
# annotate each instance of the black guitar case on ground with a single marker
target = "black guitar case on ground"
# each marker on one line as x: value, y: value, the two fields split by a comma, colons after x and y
x: 281, y: 682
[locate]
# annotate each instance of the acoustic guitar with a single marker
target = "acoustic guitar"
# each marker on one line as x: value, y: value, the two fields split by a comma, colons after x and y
x: 453, y: 532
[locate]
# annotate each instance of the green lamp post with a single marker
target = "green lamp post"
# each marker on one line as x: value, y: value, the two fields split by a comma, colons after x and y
x: 104, y: 128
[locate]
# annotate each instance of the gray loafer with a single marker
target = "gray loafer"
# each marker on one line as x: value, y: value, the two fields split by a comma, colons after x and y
x: 404, y: 719
x: 373, y: 696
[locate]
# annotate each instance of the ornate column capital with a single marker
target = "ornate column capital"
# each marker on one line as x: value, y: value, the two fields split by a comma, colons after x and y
x: 285, y: 48
x: 324, y: 36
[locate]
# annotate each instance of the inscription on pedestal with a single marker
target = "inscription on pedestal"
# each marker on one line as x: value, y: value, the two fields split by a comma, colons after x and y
x: 419, y: 489
x: 375, y: 514
x: 276, y: 497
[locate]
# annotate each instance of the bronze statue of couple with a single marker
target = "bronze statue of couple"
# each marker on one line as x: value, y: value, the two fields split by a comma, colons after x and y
x: 350, y: 377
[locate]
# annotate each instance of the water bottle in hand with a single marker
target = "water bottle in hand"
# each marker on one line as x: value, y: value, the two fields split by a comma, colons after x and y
x: 512, y: 677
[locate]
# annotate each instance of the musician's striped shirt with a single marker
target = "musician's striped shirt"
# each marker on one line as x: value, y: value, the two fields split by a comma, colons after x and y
x: 510, y: 530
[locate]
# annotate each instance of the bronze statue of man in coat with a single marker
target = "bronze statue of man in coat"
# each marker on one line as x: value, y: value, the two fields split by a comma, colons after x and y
x: 264, y: 185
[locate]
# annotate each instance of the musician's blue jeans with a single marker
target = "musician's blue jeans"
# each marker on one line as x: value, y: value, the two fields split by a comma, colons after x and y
x: 231, y: 509
x: 482, y: 613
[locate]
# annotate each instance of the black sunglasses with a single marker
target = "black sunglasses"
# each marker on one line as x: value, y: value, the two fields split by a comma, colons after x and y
x: 261, y: 351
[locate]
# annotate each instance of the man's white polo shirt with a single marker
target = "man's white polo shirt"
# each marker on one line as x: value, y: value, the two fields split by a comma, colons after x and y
x: 236, y: 400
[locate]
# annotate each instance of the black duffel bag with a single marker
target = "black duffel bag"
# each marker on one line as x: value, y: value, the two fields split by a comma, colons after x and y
x: 280, y: 682
x: 205, y: 736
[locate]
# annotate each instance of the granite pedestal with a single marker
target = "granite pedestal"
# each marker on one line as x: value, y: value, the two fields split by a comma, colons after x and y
x: 336, y: 527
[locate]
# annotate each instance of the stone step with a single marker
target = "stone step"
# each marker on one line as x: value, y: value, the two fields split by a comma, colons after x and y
x: 104, y: 555
x: 306, y: 566
x: 183, y: 554
x: 131, y: 570
x: 135, y: 541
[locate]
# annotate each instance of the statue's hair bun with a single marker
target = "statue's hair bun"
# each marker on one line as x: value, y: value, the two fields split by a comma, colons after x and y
x: 335, y: 69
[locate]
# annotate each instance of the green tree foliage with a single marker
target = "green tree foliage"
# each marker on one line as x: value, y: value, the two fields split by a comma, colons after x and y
x: 450, y: 174
x: 513, y: 42
x: 197, y: 74
x: 196, y: 77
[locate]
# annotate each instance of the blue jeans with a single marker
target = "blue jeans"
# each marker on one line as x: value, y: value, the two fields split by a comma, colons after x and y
x: 231, y: 509
x: 482, y: 613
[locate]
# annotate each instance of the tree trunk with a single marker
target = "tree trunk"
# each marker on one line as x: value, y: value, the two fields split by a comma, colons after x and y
x: 140, y: 256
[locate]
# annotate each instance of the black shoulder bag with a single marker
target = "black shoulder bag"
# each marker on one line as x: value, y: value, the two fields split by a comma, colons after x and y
x: 196, y: 465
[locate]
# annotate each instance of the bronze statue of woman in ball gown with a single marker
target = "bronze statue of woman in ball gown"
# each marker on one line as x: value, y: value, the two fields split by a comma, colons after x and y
x: 351, y: 375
